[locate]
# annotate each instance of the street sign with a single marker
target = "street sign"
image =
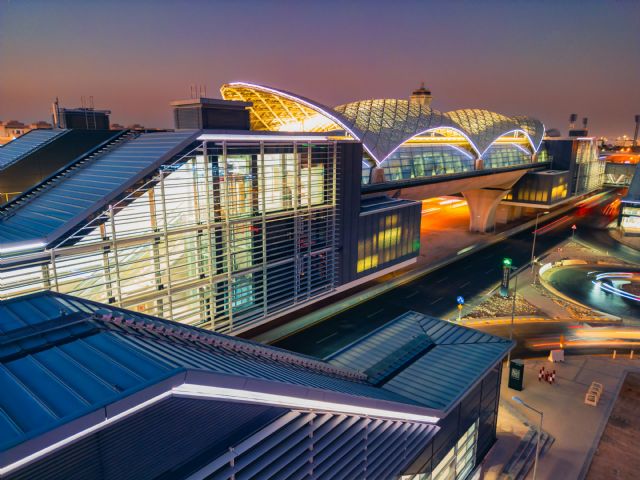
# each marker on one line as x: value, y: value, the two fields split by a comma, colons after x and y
x: 459, y: 306
x: 574, y: 227
x: 460, y: 300
x: 516, y: 375
x: 506, y: 276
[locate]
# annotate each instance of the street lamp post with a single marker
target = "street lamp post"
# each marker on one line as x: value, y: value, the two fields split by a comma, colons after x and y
x: 535, y: 463
x: 513, y: 316
x: 533, y: 246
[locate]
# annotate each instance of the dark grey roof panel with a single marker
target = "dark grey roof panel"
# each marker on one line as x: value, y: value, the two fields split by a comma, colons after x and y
x: 437, y: 376
x: 55, y: 211
x: 444, y: 374
x: 62, y: 358
x: 27, y: 143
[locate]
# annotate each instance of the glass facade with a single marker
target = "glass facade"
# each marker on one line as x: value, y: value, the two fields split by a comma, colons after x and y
x: 546, y: 187
x: 387, y: 237
x: 590, y: 168
x: 630, y: 218
x: 505, y: 155
x: 466, y: 435
x: 422, y: 160
x: 220, y: 237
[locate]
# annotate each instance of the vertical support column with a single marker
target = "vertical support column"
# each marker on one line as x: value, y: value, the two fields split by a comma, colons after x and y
x: 54, y: 269
x: 200, y: 256
x: 227, y: 227
x: 334, y: 213
x: 105, y: 262
x: 197, y: 216
x: 296, y: 219
x: 263, y: 201
x: 165, y: 233
x: 155, y: 250
x: 114, y: 248
x: 309, y: 223
x: 377, y: 175
x: 482, y: 208
x: 207, y: 186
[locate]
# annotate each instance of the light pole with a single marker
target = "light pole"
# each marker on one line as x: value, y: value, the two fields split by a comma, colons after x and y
x: 533, y: 246
x: 535, y: 463
x: 513, y: 316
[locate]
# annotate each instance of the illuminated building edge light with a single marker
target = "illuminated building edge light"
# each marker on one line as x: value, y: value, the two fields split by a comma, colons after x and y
x: 225, y: 394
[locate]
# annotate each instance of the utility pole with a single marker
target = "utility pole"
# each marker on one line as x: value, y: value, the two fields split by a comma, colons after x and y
x: 533, y: 247
x: 513, y: 316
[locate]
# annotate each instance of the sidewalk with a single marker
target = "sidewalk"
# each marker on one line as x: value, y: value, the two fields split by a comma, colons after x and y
x: 577, y: 427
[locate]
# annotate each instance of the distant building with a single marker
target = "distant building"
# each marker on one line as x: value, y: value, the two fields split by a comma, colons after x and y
x: 421, y: 96
x: 576, y: 169
x: 210, y: 113
x: 629, y: 217
x: 13, y: 129
x: 87, y: 118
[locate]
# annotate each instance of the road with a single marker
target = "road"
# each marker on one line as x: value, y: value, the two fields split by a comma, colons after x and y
x: 435, y: 293
x: 577, y: 283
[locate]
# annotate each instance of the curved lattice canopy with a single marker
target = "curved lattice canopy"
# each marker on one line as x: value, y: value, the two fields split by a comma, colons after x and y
x: 383, y: 125
x: 386, y: 124
x: 278, y: 110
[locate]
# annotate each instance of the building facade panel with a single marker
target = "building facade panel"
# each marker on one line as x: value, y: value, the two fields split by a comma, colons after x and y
x: 219, y: 239
x: 387, y: 236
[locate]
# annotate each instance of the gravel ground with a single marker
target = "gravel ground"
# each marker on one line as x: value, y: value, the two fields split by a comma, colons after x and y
x: 498, y: 306
x: 617, y: 454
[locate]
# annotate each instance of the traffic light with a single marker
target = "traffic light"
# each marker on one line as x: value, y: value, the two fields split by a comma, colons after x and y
x: 506, y: 262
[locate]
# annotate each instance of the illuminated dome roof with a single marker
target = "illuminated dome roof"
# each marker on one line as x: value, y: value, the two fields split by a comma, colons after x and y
x: 386, y: 124
x: 381, y: 125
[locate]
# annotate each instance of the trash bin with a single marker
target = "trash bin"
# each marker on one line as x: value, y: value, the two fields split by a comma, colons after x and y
x: 516, y: 375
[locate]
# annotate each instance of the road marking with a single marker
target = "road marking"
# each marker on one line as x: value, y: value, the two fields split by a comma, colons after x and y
x: 464, y: 284
x: 327, y: 337
x: 412, y: 294
x: 436, y: 301
x: 489, y: 271
x: 468, y: 266
x: 442, y: 280
x: 375, y: 313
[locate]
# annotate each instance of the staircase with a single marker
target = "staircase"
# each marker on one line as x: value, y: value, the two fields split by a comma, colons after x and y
x: 522, y: 460
x: 7, y: 209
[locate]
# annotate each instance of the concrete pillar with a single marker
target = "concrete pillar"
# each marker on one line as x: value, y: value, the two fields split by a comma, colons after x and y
x: 482, y: 207
x: 377, y: 175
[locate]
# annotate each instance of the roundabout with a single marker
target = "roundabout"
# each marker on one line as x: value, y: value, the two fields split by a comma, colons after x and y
x: 607, y: 289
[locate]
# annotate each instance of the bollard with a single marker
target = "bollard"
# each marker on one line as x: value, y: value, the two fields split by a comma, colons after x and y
x: 631, y: 355
x: 614, y: 354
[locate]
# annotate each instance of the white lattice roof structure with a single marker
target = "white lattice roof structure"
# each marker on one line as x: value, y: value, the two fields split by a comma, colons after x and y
x: 382, y: 125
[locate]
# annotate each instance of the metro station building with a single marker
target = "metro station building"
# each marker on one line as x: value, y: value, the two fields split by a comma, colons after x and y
x: 96, y: 391
x: 255, y: 205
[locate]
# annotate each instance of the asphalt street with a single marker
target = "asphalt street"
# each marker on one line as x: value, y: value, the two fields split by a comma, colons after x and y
x: 433, y: 294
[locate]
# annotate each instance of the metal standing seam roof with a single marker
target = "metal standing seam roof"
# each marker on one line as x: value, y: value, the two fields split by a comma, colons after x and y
x: 383, y: 125
x: 451, y: 360
x: 27, y: 143
x: 64, y: 357
x: 50, y: 214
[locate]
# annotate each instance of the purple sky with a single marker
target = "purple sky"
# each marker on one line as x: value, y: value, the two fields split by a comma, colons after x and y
x: 541, y: 58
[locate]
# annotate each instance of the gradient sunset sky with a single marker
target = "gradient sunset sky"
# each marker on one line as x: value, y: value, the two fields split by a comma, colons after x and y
x: 541, y: 58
